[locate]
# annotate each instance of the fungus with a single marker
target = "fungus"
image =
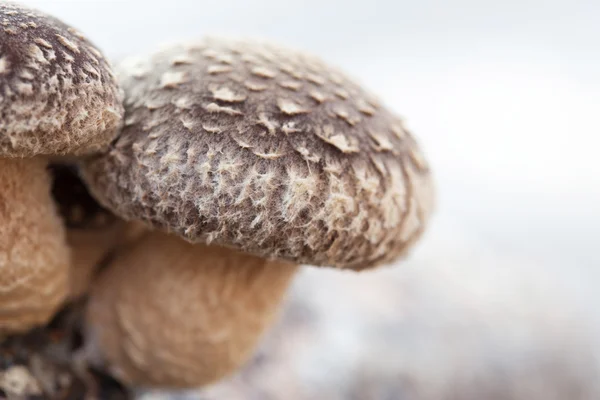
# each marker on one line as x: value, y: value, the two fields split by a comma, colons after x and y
x: 58, y: 97
x: 258, y: 182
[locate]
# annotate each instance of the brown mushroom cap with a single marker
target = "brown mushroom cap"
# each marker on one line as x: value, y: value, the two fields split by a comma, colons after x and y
x: 265, y: 150
x: 57, y: 92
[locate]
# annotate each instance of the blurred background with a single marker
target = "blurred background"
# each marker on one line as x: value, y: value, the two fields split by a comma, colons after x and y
x: 499, y: 300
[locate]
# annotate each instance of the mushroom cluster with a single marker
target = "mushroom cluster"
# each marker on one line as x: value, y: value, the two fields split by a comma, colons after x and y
x: 185, y: 208
x: 58, y: 98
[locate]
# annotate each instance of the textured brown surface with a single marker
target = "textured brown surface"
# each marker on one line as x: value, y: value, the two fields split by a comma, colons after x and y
x: 34, y: 257
x: 266, y: 150
x: 174, y: 314
x: 57, y: 92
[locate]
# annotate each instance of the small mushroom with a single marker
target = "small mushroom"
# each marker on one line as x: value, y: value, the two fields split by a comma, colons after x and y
x: 262, y: 158
x: 58, y: 97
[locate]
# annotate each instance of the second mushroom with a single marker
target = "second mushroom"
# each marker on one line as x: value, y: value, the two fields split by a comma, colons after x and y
x: 246, y: 159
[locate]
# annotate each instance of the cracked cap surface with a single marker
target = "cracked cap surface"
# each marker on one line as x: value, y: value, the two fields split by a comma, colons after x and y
x: 267, y: 150
x: 58, y: 94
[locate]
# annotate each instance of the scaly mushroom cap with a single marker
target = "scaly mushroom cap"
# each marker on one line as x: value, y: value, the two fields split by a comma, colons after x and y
x: 265, y: 150
x: 57, y: 92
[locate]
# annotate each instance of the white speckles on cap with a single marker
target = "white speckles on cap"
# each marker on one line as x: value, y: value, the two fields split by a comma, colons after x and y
x: 306, y: 154
x: 399, y: 131
x: 68, y: 58
x: 212, y: 128
x: 4, y: 65
x: 341, y: 93
x: 316, y: 79
x: 270, y: 124
x: 382, y: 143
x: 224, y: 58
x: 76, y: 33
x: 342, y: 113
x: 188, y: 123
x: 255, y: 86
x: 264, y: 72
x: 24, y: 88
x: 215, y: 108
x: 184, y: 102
x: 290, y: 127
x: 365, y: 108
x: 172, y: 79
x: 88, y: 67
x: 95, y: 52
x: 242, y: 143
x: 338, y: 140
x: 210, y: 53
x: 269, y: 156
x: 181, y: 59
x: 319, y: 97
x: 225, y: 94
x: 343, y: 143
x: 135, y: 67
x: 154, y: 103
x: 218, y: 69
x: 37, y: 54
x: 291, y: 85
x: 290, y: 107
x: 252, y: 59
x: 67, y: 43
x: 43, y: 42
x: 417, y: 158
x: 26, y: 74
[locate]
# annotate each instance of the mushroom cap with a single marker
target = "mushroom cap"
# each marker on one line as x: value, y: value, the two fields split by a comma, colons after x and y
x: 57, y: 92
x: 267, y: 150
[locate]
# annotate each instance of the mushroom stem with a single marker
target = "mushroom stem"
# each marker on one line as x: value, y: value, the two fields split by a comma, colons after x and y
x: 89, y: 248
x: 34, y: 256
x: 92, y: 248
x: 173, y: 314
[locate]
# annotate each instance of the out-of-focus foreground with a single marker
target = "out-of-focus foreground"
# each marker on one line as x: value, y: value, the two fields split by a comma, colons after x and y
x: 498, y: 301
